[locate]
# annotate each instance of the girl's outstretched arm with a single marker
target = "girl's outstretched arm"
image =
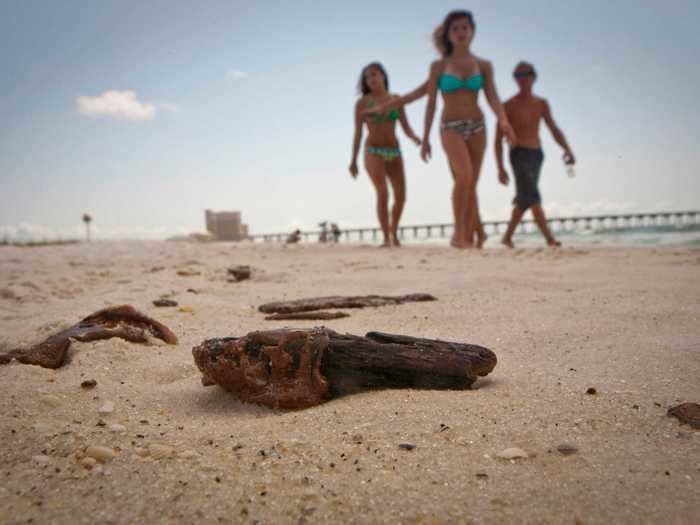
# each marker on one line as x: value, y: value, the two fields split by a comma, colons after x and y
x: 495, y: 102
x: 414, y: 95
x: 435, y: 69
x: 357, y: 138
x: 396, y: 101
x: 407, y: 127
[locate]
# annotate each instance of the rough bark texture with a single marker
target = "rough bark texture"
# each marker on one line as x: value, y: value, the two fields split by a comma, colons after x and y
x: 300, y: 368
x: 280, y: 369
x: 117, y: 321
x: 323, y: 303
x: 313, y: 316
x: 688, y: 413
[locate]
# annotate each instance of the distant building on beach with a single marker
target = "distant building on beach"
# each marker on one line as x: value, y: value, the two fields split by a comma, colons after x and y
x: 226, y: 225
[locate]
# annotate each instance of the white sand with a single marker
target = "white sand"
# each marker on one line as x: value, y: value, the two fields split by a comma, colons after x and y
x: 626, y: 322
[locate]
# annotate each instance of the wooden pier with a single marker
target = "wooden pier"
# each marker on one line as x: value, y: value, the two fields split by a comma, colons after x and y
x: 558, y: 224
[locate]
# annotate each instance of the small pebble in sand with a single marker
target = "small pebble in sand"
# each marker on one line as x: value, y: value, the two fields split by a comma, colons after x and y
x: 41, y: 459
x: 158, y: 451
x: 100, y: 453
x: 88, y: 383
x: 107, y: 408
x: 187, y: 273
x: 186, y: 309
x: 482, y: 475
x: 51, y: 400
x: 566, y: 449
x: 41, y: 428
x: 117, y: 428
x: 164, y: 303
x: 591, y: 391
x: 512, y: 453
x: 407, y: 446
x: 88, y: 462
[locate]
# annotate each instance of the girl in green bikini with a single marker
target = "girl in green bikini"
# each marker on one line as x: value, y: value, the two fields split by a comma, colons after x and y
x: 382, y: 154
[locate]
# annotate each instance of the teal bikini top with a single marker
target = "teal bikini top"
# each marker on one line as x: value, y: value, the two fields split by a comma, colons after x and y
x: 391, y: 116
x: 449, y: 83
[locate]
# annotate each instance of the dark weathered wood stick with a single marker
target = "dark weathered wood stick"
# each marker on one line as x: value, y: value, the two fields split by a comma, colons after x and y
x: 324, y: 303
x: 307, y: 316
x: 300, y: 368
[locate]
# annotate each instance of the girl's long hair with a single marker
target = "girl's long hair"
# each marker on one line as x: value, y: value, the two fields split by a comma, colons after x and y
x: 441, y: 33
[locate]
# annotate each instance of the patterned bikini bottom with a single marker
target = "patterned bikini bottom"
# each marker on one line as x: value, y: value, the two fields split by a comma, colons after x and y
x: 466, y: 128
x: 388, y: 154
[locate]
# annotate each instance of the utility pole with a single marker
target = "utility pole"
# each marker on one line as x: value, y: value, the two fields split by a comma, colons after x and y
x: 87, y: 220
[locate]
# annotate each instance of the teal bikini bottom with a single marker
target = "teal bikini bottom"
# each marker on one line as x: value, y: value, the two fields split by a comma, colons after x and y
x: 387, y: 154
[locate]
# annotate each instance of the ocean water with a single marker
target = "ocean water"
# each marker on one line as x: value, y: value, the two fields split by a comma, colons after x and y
x: 687, y: 235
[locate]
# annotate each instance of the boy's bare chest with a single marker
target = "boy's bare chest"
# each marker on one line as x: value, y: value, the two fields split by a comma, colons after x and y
x: 525, y: 113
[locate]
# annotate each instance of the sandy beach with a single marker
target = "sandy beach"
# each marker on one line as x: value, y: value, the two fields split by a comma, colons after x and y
x: 625, y: 322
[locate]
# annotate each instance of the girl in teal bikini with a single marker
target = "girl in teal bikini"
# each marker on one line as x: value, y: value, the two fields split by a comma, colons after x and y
x: 459, y: 75
x: 382, y: 154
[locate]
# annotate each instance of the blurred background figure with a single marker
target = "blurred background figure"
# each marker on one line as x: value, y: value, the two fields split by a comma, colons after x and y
x: 335, y: 232
x: 294, y: 237
x: 323, y: 235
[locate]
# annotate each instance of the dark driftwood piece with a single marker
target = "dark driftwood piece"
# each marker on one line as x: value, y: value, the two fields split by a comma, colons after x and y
x: 688, y: 413
x: 117, y: 321
x: 300, y: 368
x: 240, y: 273
x: 323, y: 303
x: 307, y: 316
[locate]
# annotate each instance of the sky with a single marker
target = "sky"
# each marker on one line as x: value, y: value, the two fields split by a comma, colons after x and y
x: 144, y: 114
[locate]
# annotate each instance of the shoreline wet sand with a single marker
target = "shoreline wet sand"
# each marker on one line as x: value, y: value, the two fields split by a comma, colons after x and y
x: 621, y: 321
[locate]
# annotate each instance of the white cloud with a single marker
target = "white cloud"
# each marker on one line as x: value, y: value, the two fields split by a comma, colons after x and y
x: 122, y: 105
x: 235, y: 74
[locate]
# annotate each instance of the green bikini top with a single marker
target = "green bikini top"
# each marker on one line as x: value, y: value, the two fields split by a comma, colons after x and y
x: 391, y: 116
x: 449, y: 83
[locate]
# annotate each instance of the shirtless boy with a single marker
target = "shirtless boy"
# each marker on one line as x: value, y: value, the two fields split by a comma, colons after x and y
x: 525, y: 111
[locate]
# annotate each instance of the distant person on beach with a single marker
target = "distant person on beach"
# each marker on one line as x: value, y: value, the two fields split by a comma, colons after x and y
x: 294, y: 237
x: 323, y: 234
x: 460, y: 75
x: 526, y: 111
x: 382, y: 155
x: 335, y: 232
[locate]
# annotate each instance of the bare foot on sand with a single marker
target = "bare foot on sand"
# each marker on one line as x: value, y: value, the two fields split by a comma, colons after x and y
x: 553, y: 243
x: 508, y: 243
x: 395, y: 241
